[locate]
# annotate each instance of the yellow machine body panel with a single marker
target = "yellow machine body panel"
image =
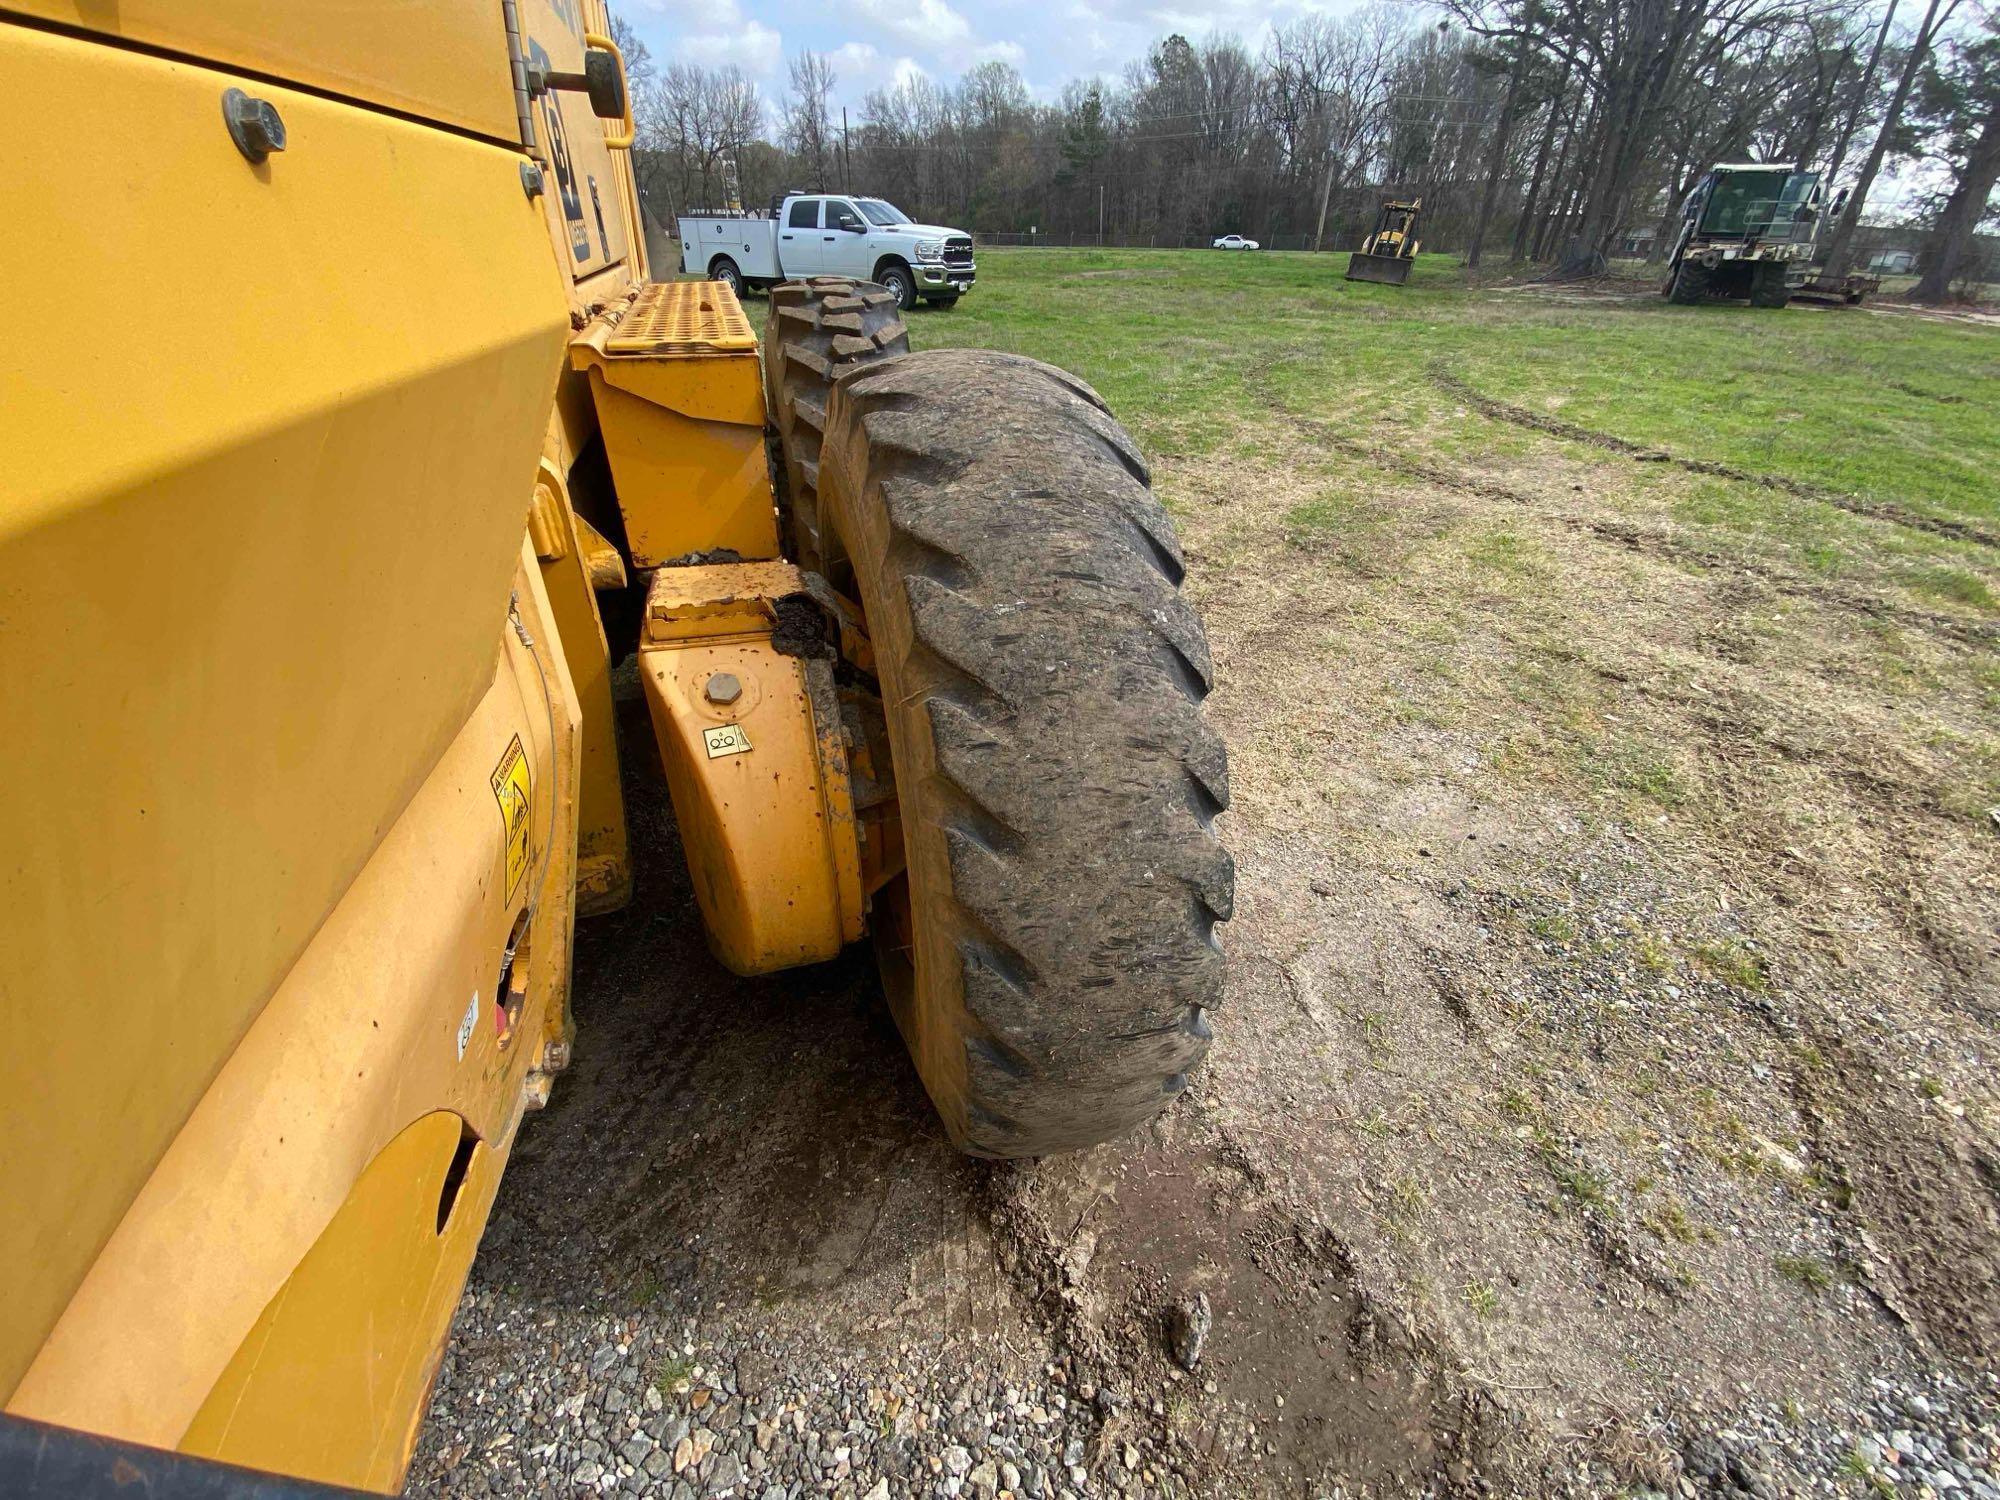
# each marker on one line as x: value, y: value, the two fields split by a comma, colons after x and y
x: 443, y: 60
x: 600, y: 270
x: 303, y: 1395
x: 587, y: 182
x: 680, y: 398
x: 309, y: 739
x: 576, y: 561
x: 752, y: 744
x: 397, y: 1009
x: 255, y: 554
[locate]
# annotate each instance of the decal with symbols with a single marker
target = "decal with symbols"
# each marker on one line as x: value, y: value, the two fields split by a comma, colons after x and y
x: 727, y: 739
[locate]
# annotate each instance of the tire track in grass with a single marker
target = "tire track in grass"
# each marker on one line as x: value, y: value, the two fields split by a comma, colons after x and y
x: 1652, y: 542
x: 1874, y: 510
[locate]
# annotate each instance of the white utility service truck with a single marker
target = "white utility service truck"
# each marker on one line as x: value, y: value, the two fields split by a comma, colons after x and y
x: 823, y: 234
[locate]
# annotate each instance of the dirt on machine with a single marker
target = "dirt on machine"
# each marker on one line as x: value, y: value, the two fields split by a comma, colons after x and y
x: 1390, y: 249
x: 312, y: 615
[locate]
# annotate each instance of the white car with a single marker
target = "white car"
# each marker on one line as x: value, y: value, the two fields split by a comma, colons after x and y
x: 1235, y: 242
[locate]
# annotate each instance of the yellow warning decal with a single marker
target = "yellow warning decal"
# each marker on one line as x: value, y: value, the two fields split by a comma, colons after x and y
x: 516, y: 795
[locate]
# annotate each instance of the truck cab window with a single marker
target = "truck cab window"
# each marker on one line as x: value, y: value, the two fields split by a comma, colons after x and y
x: 840, y: 214
x: 804, y: 214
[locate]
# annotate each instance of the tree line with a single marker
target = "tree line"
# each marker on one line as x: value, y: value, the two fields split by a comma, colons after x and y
x: 1558, y: 131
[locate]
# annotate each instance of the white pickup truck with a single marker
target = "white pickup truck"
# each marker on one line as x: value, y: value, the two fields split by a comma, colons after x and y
x: 821, y: 234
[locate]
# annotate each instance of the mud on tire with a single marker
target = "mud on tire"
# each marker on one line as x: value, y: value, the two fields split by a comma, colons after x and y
x: 1692, y: 282
x: 1767, y: 287
x: 817, y: 329
x: 1050, y: 955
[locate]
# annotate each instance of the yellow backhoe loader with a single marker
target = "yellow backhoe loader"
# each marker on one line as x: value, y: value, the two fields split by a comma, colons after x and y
x: 308, y: 547
x: 1391, y: 247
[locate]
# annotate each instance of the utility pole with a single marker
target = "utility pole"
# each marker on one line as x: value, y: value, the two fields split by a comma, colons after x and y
x: 846, y: 155
x: 1100, y: 216
x: 1325, y: 192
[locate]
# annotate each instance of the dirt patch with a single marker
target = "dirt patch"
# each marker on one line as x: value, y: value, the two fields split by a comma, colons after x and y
x: 1983, y: 315
x: 1649, y: 957
x: 1669, y: 544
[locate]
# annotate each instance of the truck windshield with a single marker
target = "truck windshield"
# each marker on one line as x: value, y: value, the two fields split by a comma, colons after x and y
x: 1744, y: 203
x: 882, y: 213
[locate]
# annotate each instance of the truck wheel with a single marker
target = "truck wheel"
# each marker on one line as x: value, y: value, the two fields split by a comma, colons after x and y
x: 897, y: 279
x: 723, y: 269
x: 1767, y: 287
x: 1690, y: 283
x: 1048, y: 950
x: 817, y: 331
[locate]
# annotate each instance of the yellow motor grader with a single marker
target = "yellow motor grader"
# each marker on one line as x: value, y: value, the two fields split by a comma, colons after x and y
x: 308, y: 547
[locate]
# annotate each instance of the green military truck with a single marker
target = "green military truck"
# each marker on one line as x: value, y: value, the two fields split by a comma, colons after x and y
x: 1748, y: 230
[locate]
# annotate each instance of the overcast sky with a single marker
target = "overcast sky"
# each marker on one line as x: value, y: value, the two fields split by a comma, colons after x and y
x: 873, y: 42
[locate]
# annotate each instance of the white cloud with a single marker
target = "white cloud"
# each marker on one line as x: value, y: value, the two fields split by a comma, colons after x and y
x: 861, y: 67
x: 754, y: 47
x: 928, y: 25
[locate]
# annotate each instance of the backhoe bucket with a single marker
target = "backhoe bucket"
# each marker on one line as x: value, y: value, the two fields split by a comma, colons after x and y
x: 1389, y: 270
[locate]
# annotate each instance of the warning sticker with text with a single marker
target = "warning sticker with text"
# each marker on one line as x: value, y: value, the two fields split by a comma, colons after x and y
x: 516, y: 795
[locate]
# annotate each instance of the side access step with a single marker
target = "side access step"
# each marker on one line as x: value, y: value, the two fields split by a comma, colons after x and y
x: 680, y: 401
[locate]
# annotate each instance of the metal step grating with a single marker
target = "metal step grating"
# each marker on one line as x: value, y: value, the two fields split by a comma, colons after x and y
x: 683, y: 317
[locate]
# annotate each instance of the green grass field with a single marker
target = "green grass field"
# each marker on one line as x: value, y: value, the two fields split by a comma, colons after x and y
x: 1188, y: 347
x: 1200, y: 353
x: 1296, y: 418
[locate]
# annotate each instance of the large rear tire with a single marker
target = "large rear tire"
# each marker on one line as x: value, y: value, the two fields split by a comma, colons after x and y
x: 1049, y: 952
x: 818, y: 330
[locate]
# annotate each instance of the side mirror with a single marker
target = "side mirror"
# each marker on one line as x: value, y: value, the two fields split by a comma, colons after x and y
x: 848, y: 222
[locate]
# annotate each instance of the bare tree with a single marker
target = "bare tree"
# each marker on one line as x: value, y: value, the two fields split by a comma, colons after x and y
x: 1539, y: 123
x: 691, y: 122
x: 1961, y: 105
x: 1517, y: 72
x: 1841, y: 251
x: 808, y: 124
x: 639, y: 69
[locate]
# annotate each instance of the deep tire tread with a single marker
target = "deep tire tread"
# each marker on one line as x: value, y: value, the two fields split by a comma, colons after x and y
x: 819, y: 331
x: 1043, y: 679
